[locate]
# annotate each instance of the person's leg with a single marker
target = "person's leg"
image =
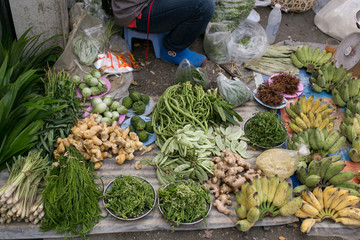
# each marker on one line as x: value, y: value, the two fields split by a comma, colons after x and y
x: 185, y: 20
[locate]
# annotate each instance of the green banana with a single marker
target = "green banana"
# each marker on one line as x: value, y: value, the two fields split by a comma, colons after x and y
x: 333, y: 169
x: 325, y: 163
x: 319, y: 138
x: 273, y: 183
x: 299, y: 189
x: 337, y: 145
x: 331, y: 139
x: 244, y: 225
x: 320, y: 56
x: 312, y: 180
x: 316, y: 87
x: 354, y: 155
x: 352, y: 185
x: 344, y: 92
x: 341, y: 177
x: 281, y: 193
x: 301, y: 175
x: 337, y: 98
x: 314, y: 167
x: 324, y: 59
x: 297, y: 63
x: 264, y: 187
x: 253, y: 214
x: 315, y: 55
x: 351, y: 132
x: 241, y: 211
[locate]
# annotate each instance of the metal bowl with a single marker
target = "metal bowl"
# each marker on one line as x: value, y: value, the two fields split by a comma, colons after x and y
x: 146, y: 212
x: 277, y: 146
x: 209, y: 206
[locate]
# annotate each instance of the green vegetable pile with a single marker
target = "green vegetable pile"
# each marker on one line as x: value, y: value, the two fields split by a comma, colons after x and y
x: 184, y: 201
x: 108, y: 109
x: 129, y: 197
x: 141, y: 127
x: 266, y: 129
x: 71, y: 196
x: 183, y: 104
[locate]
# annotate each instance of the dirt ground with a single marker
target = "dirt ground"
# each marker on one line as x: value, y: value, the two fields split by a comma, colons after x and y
x: 156, y: 76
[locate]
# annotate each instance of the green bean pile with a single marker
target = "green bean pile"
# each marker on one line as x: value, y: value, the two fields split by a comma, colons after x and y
x: 179, y: 105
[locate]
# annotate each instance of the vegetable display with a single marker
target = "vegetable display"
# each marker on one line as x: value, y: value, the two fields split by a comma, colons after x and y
x: 184, y: 202
x: 265, y: 129
x: 350, y: 128
x: 129, y: 197
x: 332, y: 203
x: 141, y: 127
x: 309, y: 113
x: 264, y: 196
x: 71, y: 196
x: 19, y: 196
x: 347, y: 91
x: 135, y: 102
x: 107, y: 109
x: 98, y: 141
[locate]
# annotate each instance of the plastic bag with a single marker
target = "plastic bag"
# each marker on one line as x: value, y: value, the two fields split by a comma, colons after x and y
x: 337, y: 18
x: 232, y: 12
x: 215, y: 42
x: 247, y: 43
x: 233, y: 91
x: 94, y: 8
x: 187, y: 72
x: 282, y: 162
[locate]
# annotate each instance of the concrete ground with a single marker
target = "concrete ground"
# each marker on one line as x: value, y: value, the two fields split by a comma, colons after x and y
x: 157, y: 76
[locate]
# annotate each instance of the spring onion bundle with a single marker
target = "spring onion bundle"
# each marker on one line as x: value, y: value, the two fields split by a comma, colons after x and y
x: 70, y: 197
x: 19, y: 198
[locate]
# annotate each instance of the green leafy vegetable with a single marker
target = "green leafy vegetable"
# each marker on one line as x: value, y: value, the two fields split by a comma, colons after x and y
x: 266, y: 129
x: 184, y: 201
x: 71, y: 196
x: 129, y: 197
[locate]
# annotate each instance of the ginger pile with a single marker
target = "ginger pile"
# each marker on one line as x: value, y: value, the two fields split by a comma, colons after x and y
x: 230, y: 172
x: 99, y: 141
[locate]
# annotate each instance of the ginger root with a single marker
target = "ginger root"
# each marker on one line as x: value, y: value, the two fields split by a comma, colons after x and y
x: 231, y: 171
x: 98, y: 141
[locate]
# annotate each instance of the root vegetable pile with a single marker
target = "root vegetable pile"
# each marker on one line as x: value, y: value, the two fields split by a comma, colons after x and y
x: 230, y: 172
x: 99, y: 141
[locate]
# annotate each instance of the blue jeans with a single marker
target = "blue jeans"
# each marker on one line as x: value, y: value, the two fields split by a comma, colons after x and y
x: 185, y: 20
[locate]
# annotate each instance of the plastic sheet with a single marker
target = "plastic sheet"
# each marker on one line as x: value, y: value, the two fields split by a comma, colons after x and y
x: 153, y: 221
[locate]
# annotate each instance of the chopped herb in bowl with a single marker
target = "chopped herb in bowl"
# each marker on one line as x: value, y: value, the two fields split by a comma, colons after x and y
x: 266, y: 130
x: 129, y: 197
x: 184, y: 202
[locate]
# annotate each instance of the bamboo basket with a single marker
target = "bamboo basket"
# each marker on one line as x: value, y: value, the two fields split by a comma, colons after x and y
x: 295, y: 5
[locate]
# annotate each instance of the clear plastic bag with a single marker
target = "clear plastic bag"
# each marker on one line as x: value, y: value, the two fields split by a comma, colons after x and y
x: 247, y: 43
x: 233, y: 91
x: 215, y: 42
x: 187, y: 72
x: 232, y: 12
x: 94, y: 8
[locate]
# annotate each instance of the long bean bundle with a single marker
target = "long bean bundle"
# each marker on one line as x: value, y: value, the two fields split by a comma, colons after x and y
x: 179, y: 105
x: 71, y: 196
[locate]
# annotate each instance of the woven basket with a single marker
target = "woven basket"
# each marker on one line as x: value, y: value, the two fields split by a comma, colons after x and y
x: 295, y: 5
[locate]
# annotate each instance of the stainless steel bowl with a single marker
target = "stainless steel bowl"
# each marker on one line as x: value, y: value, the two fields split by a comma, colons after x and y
x: 191, y: 223
x: 108, y: 187
x: 277, y: 146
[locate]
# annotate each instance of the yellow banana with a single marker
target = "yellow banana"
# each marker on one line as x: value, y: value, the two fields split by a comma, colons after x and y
x: 280, y: 194
x: 295, y: 127
x: 315, y: 105
x: 244, y: 225
x: 303, y: 103
x: 241, y: 199
x: 331, y: 199
x: 326, y: 113
x: 357, y: 126
x: 299, y: 122
x: 309, y: 209
x: 241, y: 211
x: 350, y: 212
x: 305, y: 119
x: 291, y: 207
x: 244, y: 187
x: 273, y: 183
x: 321, y: 108
x: 301, y: 214
x: 348, y: 201
x: 265, y: 187
x: 309, y: 103
x: 307, y: 224
x: 318, y: 120
x: 330, y: 127
x: 250, y: 189
x: 324, y: 123
x: 253, y: 200
x: 309, y: 197
x: 327, y: 193
x: 348, y: 221
x: 319, y: 196
x: 253, y: 214
x: 257, y: 185
x: 340, y: 195
x: 311, y: 119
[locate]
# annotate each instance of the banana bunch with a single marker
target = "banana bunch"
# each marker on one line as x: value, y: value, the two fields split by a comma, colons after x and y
x: 307, y: 113
x: 352, y: 107
x: 264, y: 196
x: 334, y: 203
x: 326, y: 172
x: 351, y: 129
x: 346, y: 91
x: 327, y: 77
x: 305, y: 56
x: 319, y: 142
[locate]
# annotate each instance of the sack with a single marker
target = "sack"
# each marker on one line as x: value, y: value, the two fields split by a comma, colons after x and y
x: 186, y: 72
x: 232, y: 12
x: 337, y: 18
x: 247, y: 43
x: 215, y: 42
x: 234, y: 91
